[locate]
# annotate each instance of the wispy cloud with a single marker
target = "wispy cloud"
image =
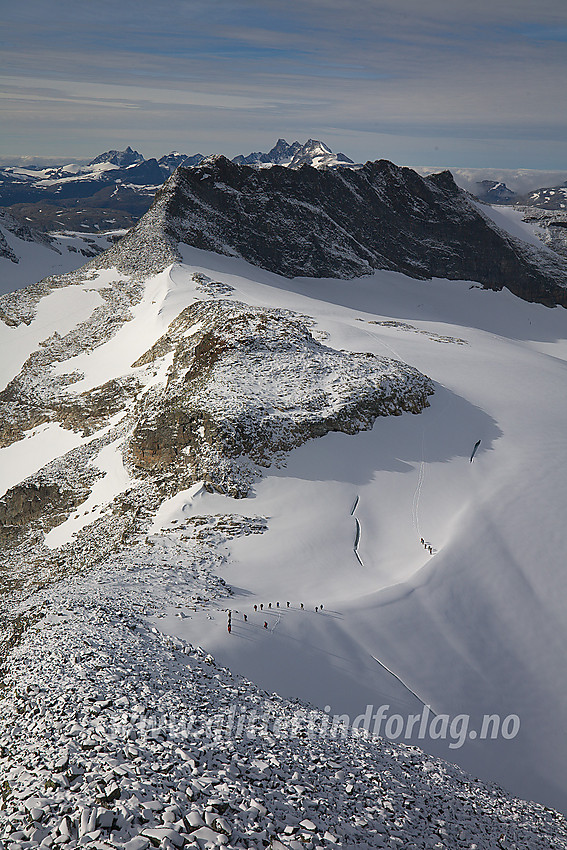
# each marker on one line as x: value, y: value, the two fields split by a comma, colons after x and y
x: 232, y: 75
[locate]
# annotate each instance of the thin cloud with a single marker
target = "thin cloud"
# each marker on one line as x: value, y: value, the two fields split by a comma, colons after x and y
x: 404, y: 69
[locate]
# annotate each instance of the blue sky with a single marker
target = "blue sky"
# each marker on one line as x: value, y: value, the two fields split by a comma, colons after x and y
x: 421, y: 82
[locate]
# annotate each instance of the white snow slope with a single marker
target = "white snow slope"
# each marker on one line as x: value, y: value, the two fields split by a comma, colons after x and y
x: 36, y: 261
x: 474, y: 627
x: 477, y: 627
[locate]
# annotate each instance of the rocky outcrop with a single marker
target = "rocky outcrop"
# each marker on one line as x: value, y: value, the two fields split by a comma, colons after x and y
x: 247, y: 384
x: 5, y: 250
x: 551, y: 226
x: 29, y: 502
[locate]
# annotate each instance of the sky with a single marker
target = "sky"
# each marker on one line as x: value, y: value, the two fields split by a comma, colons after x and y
x: 420, y: 82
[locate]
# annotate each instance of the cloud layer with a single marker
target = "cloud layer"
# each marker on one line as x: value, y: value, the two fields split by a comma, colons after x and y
x: 436, y: 82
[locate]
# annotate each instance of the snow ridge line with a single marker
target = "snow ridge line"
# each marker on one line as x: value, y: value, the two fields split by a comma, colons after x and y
x: 357, y: 538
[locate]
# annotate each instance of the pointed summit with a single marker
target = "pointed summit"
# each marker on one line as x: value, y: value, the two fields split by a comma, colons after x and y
x: 120, y: 158
x: 313, y: 152
x: 318, y: 155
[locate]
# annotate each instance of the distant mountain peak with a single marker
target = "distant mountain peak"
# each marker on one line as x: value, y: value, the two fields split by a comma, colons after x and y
x: 495, y: 192
x: 313, y: 152
x: 171, y: 161
x: 120, y: 158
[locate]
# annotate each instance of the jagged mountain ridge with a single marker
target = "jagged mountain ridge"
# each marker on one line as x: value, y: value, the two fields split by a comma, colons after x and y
x: 545, y: 198
x: 117, y: 187
x: 122, y: 159
x: 294, y: 155
x: 340, y: 223
x: 281, y: 153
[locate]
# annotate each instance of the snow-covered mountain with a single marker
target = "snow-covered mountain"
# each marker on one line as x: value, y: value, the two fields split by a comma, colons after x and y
x: 101, y: 196
x: 313, y: 153
x: 318, y: 155
x: 553, y: 198
x: 185, y: 433
x: 171, y: 161
x: 121, y: 159
x: 494, y: 192
x: 117, y: 187
x: 282, y: 153
x: 114, y: 190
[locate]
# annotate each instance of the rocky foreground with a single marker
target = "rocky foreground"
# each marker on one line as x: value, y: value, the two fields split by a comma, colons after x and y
x: 116, y: 736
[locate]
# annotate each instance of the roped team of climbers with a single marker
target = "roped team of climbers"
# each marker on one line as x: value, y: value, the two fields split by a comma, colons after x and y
x: 261, y: 608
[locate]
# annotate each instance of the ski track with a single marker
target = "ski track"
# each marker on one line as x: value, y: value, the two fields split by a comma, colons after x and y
x: 401, y: 681
x: 418, y: 489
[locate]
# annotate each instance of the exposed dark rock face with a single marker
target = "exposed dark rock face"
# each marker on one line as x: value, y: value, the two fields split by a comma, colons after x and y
x: 551, y: 224
x: 6, y: 251
x: 494, y: 192
x: 342, y: 222
x: 29, y: 502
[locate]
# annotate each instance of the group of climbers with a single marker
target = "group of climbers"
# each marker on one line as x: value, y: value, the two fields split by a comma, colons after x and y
x: 260, y: 607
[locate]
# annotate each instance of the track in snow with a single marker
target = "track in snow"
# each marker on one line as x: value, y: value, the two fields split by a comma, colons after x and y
x: 358, y: 531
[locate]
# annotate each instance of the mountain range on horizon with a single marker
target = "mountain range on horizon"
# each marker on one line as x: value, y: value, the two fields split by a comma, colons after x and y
x: 116, y: 187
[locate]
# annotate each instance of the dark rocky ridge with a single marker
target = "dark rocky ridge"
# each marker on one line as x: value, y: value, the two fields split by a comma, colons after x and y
x: 341, y: 223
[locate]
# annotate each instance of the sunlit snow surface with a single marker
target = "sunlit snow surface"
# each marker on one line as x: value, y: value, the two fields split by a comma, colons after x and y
x: 476, y: 627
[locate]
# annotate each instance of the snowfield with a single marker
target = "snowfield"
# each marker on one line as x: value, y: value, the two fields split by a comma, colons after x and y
x: 477, y: 627
x: 416, y: 579
x: 39, y: 255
